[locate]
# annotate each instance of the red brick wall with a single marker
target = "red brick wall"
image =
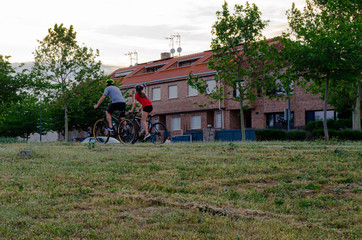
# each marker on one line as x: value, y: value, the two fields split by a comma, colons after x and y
x: 184, y: 107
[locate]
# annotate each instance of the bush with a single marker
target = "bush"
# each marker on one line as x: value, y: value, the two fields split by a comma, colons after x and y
x: 353, y: 135
x: 9, y: 140
x: 345, y: 134
x: 270, y: 135
x: 297, y: 135
x: 331, y: 124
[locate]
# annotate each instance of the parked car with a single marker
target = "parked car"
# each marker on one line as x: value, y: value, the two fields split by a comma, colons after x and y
x: 100, y: 139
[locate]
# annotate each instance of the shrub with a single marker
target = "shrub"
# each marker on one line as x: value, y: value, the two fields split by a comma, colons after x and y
x: 345, y: 134
x: 353, y: 135
x: 331, y: 124
x: 270, y: 135
x: 297, y: 135
x: 9, y: 140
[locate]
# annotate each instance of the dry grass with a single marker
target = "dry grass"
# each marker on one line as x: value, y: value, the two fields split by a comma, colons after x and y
x: 253, y: 190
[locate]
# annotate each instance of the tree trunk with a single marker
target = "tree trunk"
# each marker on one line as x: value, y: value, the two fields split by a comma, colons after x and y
x: 325, y: 128
x: 242, y: 120
x: 357, y: 109
x: 66, y: 122
x: 242, y: 114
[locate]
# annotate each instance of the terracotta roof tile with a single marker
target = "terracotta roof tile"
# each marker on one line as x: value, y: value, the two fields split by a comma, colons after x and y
x: 167, y: 71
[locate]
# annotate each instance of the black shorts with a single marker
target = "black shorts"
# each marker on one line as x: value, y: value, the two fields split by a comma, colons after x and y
x: 121, y: 106
x: 148, y: 109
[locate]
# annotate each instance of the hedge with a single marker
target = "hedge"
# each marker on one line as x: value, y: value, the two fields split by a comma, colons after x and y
x: 10, y: 140
x: 281, y: 135
x: 270, y: 135
x: 299, y: 135
x: 345, y: 134
x: 331, y: 124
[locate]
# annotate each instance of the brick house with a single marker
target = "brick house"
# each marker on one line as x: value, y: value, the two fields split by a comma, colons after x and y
x: 165, y: 82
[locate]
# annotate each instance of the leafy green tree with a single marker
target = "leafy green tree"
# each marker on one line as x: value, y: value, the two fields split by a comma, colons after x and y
x: 80, y: 100
x: 240, y: 57
x: 20, y: 118
x: 62, y: 63
x: 10, y: 85
x: 324, y: 47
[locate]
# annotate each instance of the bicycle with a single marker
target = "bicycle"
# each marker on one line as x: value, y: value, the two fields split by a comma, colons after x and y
x: 158, y: 130
x: 124, y: 129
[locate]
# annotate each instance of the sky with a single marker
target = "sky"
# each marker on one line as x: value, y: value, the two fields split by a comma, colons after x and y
x: 117, y: 27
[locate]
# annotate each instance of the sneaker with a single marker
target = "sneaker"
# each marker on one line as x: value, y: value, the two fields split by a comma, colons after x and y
x: 147, y: 136
x: 109, y: 129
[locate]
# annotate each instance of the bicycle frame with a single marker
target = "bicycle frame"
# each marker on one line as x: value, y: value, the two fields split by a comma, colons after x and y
x: 138, y: 122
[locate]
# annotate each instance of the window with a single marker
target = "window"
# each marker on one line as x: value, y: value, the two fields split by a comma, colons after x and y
x: 211, y: 86
x: 153, y: 68
x: 192, y: 91
x: 237, y: 92
x: 218, y: 120
x: 123, y: 73
x: 156, y: 94
x: 187, y: 62
x: 172, y: 91
x: 318, y: 115
x: 278, y: 121
x: 280, y: 90
x: 74, y: 133
x: 176, y: 123
x: 196, y: 122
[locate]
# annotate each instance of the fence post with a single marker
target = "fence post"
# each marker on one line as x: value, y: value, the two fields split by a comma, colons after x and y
x: 208, y: 134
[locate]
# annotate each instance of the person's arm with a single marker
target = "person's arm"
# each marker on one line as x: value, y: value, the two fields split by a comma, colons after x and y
x: 100, y: 101
x: 134, y: 104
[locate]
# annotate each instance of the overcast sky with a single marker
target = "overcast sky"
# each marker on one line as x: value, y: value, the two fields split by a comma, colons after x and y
x: 117, y: 27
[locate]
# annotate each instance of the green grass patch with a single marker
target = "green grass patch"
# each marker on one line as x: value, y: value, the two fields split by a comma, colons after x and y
x: 254, y: 190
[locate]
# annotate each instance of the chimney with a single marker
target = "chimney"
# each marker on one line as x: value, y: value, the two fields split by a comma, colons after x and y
x: 165, y: 55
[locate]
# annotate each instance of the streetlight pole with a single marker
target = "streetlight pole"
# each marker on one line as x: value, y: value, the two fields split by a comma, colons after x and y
x: 40, y: 122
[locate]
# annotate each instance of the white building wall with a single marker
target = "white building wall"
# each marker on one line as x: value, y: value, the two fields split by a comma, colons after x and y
x: 49, y: 137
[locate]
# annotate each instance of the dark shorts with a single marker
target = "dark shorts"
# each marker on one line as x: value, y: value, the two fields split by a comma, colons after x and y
x: 148, y: 109
x: 121, y: 106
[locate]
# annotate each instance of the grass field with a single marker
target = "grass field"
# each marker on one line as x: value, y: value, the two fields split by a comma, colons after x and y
x: 254, y: 190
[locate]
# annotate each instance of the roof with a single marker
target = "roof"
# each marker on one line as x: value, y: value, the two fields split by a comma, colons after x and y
x: 164, y: 69
x: 172, y: 68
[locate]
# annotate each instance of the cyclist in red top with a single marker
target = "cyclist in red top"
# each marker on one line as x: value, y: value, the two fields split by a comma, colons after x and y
x: 141, y: 97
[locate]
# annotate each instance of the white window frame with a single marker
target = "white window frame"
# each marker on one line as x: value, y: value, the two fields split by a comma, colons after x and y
x: 172, y: 91
x: 211, y: 86
x: 176, y: 123
x: 319, y: 115
x: 192, y: 91
x: 74, y: 133
x: 156, y: 95
x: 218, y: 120
x: 237, y: 91
x: 196, y: 122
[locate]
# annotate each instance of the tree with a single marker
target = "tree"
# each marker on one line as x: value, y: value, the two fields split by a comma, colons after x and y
x: 61, y: 61
x: 10, y: 85
x: 80, y: 100
x: 239, y: 56
x: 20, y: 118
x: 324, y: 47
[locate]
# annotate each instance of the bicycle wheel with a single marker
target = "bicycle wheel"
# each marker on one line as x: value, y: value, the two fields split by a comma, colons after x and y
x: 159, y: 133
x: 126, y: 131
x: 100, y: 134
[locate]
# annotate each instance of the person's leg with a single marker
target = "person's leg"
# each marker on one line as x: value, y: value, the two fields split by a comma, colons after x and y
x: 109, y: 119
x: 144, y: 121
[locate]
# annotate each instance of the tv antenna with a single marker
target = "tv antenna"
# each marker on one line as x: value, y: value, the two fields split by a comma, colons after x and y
x: 172, y: 39
x: 133, y: 56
